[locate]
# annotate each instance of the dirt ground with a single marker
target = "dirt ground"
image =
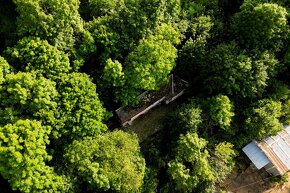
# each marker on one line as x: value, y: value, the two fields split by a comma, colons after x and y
x: 253, y: 181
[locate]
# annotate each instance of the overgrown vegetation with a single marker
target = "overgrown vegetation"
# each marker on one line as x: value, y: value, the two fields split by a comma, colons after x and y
x: 66, y: 65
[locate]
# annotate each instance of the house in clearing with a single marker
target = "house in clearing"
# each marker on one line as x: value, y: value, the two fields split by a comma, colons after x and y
x: 272, y: 154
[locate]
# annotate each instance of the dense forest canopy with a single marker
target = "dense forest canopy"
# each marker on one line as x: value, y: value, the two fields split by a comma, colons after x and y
x: 65, y: 65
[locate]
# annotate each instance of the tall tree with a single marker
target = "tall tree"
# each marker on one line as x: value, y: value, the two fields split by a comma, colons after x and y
x: 266, y: 22
x: 23, y: 158
x: 33, y: 54
x: 221, y: 111
x: 80, y: 111
x: 26, y: 95
x: 231, y: 71
x: 190, y: 169
x: 148, y: 66
x: 58, y: 22
x: 192, y: 55
x: 53, y: 20
x: 263, y: 119
x: 108, y: 162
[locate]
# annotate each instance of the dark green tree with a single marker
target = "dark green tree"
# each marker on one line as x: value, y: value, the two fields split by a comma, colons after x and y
x: 186, y: 119
x: 193, y: 53
x: 262, y: 26
x: 231, y: 71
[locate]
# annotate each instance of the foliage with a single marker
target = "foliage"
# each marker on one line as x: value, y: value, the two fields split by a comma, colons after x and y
x: 26, y: 95
x: 221, y: 111
x: 80, y: 111
x: 286, y: 112
x: 109, y: 162
x: 52, y: 20
x: 105, y: 38
x: 5, y: 69
x: 23, y: 156
x: 197, y: 8
x: 201, y: 26
x: 225, y: 152
x: 230, y: 71
x: 220, y: 169
x: 267, y: 24
x: 150, y: 181
x: 33, y: 54
x: 153, y: 59
x: 148, y: 66
x: 186, y: 119
x: 263, y: 119
x: 191, y: 166
x: 113, y: 73
x: 103, y: 7
x: 193, y: 52
x: 280, y: 179
x: 62, y: 55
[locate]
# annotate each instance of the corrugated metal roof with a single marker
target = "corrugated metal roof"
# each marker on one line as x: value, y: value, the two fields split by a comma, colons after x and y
x: 256, y: 155
x: 275, y: 148
x: 279, y: 148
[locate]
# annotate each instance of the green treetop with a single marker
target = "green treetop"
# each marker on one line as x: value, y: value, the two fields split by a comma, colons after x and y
x: 33, y: 54
x: 148, y: 66
x: 221, y: 111
x: 108, y: 162
x: 54, y: 20
x: 191, y: 169
x: 230, y: 71
x: 23, y: 156
x: 5, y: 69
x: 262, y: 26
x: 263, y: 119
x: 80, y: 111
x: 26, y: 95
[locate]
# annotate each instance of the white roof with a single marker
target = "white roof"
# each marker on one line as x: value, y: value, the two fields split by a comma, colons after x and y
x: 274, y: 149
x: 256, y: 155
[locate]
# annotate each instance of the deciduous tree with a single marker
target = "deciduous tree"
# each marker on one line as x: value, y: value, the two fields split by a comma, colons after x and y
x: 80, y: 111
x: 263, y: 119
x: 23, y: 155
x: 26, y: 95
x: 231, y: 71
x: 5, y: 69
x: 262, y: 26
x: 148, y: 66
x: 54, y: 20
x: 33, y: 54
x: 190, y: 168
x: 108, y: 162
x: 221, y: 111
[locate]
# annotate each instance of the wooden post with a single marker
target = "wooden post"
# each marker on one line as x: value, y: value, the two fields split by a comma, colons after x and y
x: 172, y: 84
